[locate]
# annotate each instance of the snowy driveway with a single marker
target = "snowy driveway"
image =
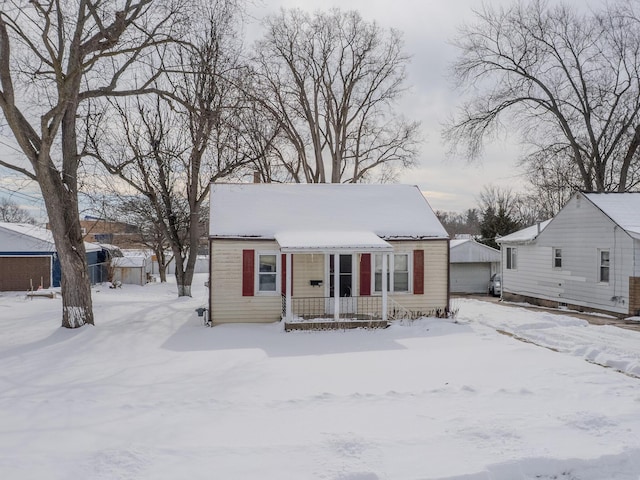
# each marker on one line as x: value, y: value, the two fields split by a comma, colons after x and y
x: 605, y: 345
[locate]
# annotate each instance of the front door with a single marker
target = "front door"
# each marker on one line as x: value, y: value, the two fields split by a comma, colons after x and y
x: 345, y: 283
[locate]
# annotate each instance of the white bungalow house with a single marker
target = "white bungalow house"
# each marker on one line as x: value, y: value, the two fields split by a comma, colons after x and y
x: 471, y: 265
x: 586, y: 258
x: 279, y: 251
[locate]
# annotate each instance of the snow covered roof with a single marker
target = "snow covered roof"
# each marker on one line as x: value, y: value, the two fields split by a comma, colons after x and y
x: 622, y: 208
x: 468, y: 250
x: 330, y: 241
x: 458, y: 241
x: 525, y: 235
x: 264, y: 210
x: 41, y: 239
x: 138, y: 261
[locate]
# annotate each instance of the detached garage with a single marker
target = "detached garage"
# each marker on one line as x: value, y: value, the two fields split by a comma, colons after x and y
x: 28, y: 258
x: 471, y: 265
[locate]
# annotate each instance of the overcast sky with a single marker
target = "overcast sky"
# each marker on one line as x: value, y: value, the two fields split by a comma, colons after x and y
x: 450, y: 183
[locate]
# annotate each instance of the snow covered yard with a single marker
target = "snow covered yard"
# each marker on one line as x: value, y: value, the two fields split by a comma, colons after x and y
x: 152, y: 394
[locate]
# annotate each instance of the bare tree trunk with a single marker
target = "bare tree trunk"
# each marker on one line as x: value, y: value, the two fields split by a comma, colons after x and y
x: 69, y: 53
x: 62, y: 209
x: 183, y: 277
x: 162, y: 264
x: 626, y: 163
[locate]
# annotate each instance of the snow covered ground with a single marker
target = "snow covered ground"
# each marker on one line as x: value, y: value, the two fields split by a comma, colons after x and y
x: 149, y: 393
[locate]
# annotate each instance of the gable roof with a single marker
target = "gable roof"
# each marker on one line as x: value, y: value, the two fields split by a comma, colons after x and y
x: 34, y: 238
x: 622, y: 208
x: 467, y: 250
x: 389, y: 211
x: 525, y: 235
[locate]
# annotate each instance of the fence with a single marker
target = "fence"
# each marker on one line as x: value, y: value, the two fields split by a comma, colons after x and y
x: 357, y: 308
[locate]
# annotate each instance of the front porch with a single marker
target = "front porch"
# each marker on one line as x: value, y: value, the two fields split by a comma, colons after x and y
x: 344, y: 280
x: 318, y: 313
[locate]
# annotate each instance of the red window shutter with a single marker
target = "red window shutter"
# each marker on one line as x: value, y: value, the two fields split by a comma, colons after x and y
x: 418, y: 272
x: 283, y: 275
x: 365, y: 274
x: 248, y: 261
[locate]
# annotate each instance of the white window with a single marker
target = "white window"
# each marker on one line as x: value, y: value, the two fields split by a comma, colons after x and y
x: 398, y: 269
x: 267, y: 272
x: 512, y: 256
x: 557, y: 258
x: 604, y: 265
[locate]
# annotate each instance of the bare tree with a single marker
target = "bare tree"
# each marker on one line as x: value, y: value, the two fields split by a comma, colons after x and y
x: 552, y: 179
x: 505, y: 211
x: 11, y: 212
x: 466, y: 223
x: 54, y: 56
x: 568, y: 81
x: 135, y: 211
x: 330, y: 81
x: 171, y: 147
x: 498, y: 198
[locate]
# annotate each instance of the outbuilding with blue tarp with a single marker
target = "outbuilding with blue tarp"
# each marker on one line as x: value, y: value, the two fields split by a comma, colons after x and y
x: 28, y: 258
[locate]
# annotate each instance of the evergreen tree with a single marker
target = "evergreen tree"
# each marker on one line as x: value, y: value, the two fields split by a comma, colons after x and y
x: 496, y: 224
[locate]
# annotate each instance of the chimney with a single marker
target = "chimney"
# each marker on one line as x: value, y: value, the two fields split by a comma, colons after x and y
x: 256, y: 176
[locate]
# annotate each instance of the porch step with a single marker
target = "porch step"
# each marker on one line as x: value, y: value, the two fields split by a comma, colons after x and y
x: 334, y: 325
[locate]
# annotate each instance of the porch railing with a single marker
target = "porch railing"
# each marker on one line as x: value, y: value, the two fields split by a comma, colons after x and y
x: 358, y: 308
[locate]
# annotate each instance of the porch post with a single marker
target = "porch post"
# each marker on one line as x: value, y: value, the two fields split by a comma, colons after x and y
x: 288, y: 280
x: 336, y: 287
x: 385, y: 257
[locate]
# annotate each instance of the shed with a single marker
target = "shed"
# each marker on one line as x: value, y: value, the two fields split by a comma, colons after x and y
x: 471, y: 265
x: 132, y: 269
x: 28, y: 257
x: 303, y: 251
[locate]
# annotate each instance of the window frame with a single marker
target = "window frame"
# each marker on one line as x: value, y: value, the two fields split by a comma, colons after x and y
x: 258, y: 273
x: 601, y: 266
x: 511, y: 262
x: 557, y: 257
x: 391, y: 273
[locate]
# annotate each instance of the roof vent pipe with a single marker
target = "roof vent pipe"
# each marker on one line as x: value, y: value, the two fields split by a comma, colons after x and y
x: 538, y: 228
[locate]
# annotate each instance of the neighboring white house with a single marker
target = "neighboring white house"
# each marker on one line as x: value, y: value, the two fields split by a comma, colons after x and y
x: 587, y: 257
x: 471, y: 265
x: 278, y: 250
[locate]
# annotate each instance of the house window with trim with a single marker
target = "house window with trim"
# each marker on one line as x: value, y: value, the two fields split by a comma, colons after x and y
x: 604, y: 266
x: 267, y: 272
x: 512, y: 256
x: 557, y: 258
x: 398, y: 267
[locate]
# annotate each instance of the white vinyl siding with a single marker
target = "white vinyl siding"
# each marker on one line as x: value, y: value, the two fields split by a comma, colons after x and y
x: 582, y: 231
